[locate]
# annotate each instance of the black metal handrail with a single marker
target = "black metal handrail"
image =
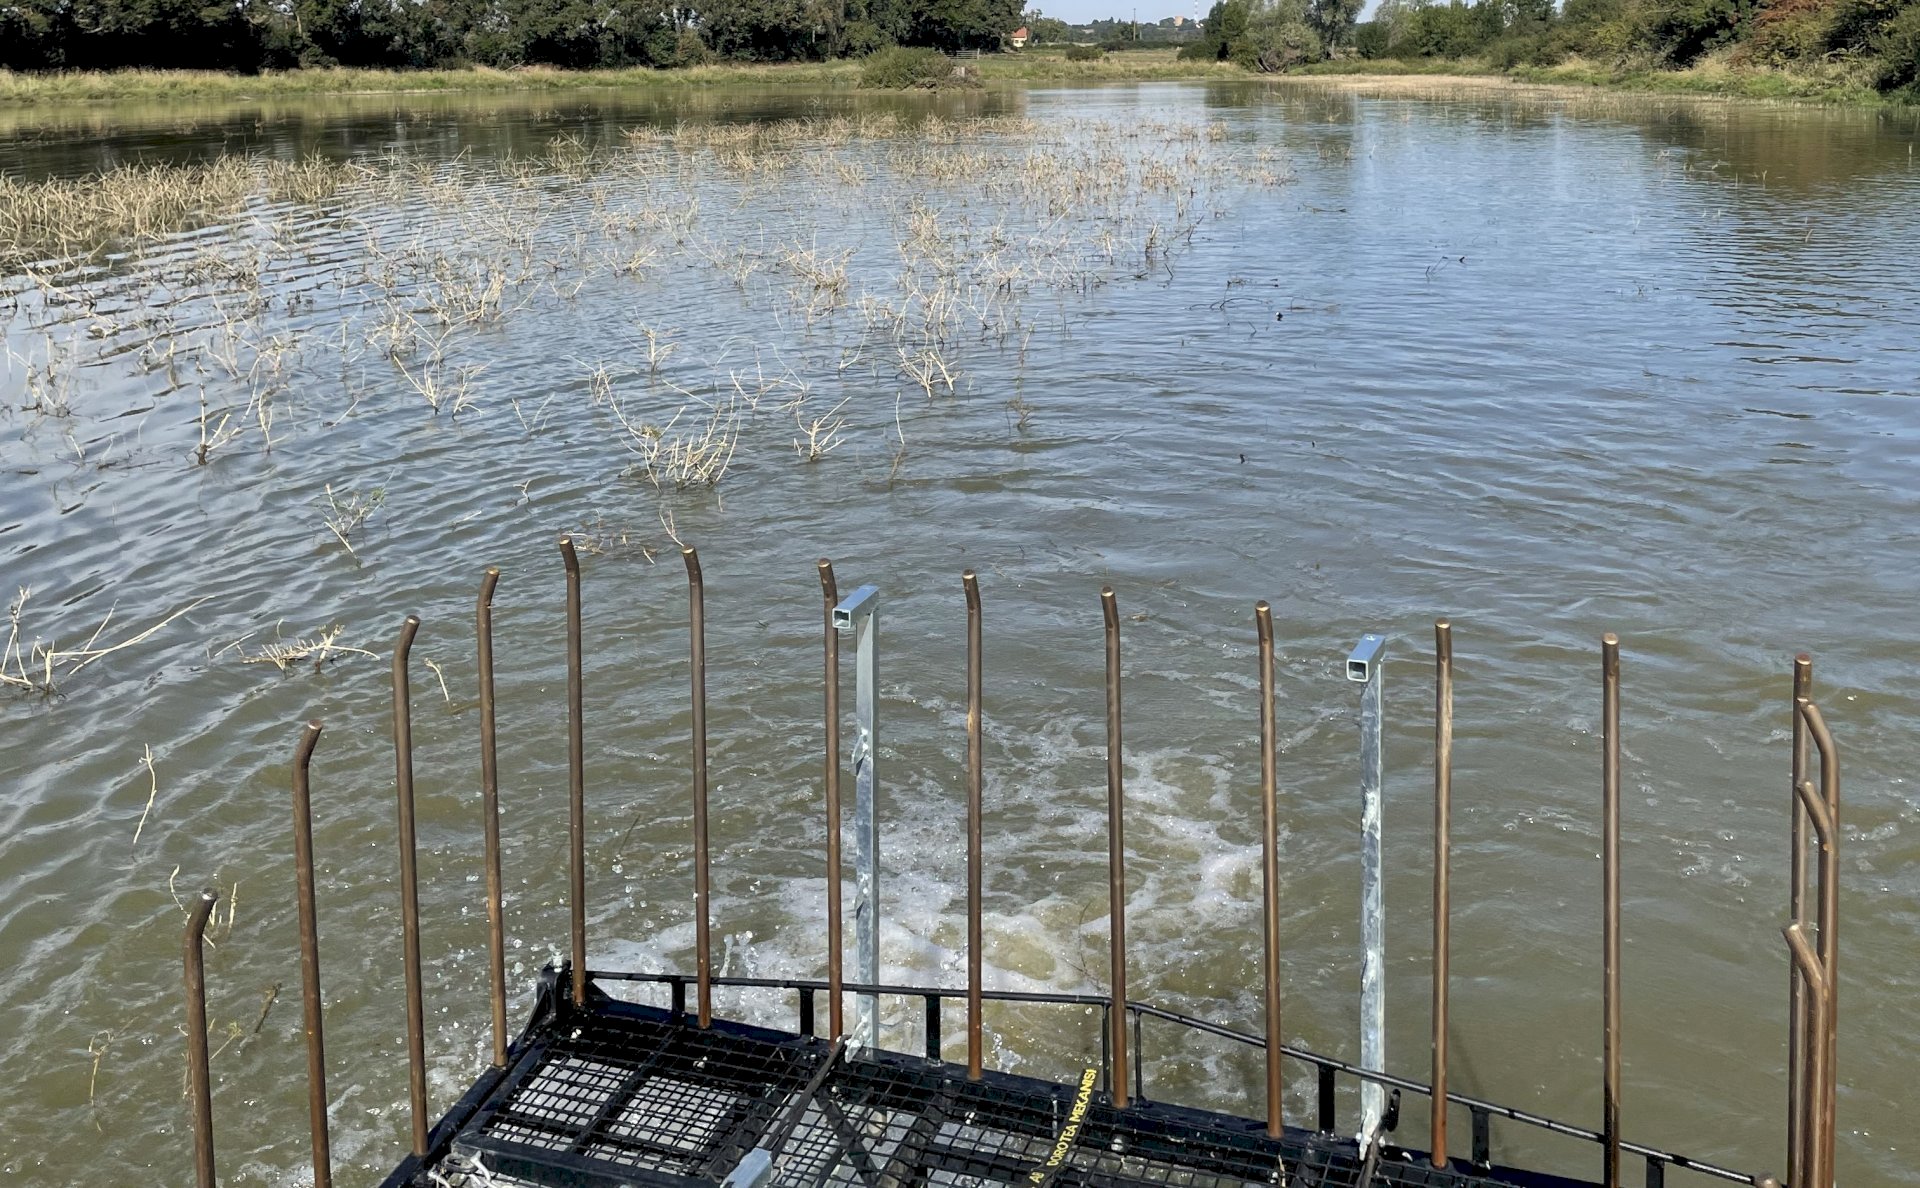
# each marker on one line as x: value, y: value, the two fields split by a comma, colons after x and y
x: 1328, y: 1068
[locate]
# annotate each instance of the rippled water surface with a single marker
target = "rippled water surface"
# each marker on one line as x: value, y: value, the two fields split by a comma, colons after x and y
x: 1549, y: 366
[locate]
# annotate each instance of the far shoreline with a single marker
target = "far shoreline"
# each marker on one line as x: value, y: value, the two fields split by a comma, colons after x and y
x: 20, y: 92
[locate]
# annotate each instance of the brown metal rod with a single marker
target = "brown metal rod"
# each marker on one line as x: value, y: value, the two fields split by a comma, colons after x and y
x: 975, y: 764
x: 1829, y: 1031
x: 1610, y: 896
x: 1442, y: 874
x: 576, y: 778
x: 199, y: 1085
x: 1809, y: 972
x: 1812, y: 1103
x: 1815, y: 808
x: 1116, y: 858
x: 310, y: 959
x: 830, y: 597
x: 490, y: 811
x: 409, y: 885
x: 697, y: 632
x: 1270, y: 864
x: 1797, y: 914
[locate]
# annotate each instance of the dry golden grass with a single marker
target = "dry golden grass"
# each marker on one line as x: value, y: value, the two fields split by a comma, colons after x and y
x: 63, y: 216
x: 134, y: 85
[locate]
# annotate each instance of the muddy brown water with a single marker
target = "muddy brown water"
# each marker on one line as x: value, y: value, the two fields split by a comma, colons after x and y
x: 1548, y: 364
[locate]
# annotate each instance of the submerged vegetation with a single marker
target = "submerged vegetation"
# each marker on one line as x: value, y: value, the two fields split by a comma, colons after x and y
x: 242, y: 316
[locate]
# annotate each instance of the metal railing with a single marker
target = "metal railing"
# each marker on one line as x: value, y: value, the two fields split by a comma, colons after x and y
x: 1327, y: 1069
x: 1812, y: 1026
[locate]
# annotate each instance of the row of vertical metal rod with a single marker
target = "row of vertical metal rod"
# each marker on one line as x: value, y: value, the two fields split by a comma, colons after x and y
x: 409, y: 882
x: 1813, y: 985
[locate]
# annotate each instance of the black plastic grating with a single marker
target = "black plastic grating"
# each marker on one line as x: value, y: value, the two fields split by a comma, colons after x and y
x: 622, y: 1094
x: 684, y: 1115
x: 566, y: 1093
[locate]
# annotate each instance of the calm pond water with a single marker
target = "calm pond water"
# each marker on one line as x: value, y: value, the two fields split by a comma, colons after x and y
x: 1549, y: 366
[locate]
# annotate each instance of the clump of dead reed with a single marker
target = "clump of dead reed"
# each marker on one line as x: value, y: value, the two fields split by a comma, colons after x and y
x: 56, y: 217
x: 321, y: 648
x: 967, y: 238
x: 344, y: 514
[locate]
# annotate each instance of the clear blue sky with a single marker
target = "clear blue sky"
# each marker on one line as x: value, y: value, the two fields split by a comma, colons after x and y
x: 1078, y: 12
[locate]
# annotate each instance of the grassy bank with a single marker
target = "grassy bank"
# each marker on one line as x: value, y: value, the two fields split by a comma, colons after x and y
x: 83, y: 86
x: 1040, y: 66
x: 1710, y: 77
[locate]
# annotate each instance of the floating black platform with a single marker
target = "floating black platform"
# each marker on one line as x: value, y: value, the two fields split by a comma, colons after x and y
x: 618, y: 1094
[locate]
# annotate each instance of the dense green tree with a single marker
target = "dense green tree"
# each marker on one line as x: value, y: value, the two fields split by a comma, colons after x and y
x: 962, y: 24
x: 1372, y: 39
x: 1280, y: 35
x: 1682, y: 30
x: 890, y: 20
x: 1897, y: 44
x: 1044, y: 30
x: 1396, y: 18
x: 201, y: 34
x: 769, y: 30
x: 33, y: 35
x: 1226, y: 26
x: 1333, y: 20
x: 362, y: 33
x: 1875, y: 41
x: 1592, y: 12
x: 1527, y: 14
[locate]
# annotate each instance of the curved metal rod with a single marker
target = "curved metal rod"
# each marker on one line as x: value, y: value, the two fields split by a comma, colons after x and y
x: 1827, y: 1036
x: 975, y: 764
x: 1815, y: 808
x: 1270, y: 864
x: 702, y: 901
x: 1813, y: 1165
x: 1610, y: 897
x: 310, y: 959
x: 409, y: 885
x: 576, y: 779
x: 1442, y: 875
x: 199, y: 1086
x: 490, y: 813
x: 1116, y: 856
x: 1797, y: 913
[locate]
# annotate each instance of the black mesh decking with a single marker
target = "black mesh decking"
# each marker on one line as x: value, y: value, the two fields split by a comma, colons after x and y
x: 623, y: 1094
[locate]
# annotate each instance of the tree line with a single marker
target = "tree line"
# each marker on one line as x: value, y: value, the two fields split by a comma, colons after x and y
x: 254, y: 35
x: 1873, y: 42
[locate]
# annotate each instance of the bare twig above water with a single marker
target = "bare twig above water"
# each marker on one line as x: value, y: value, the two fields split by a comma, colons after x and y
x: 153, y: 792
x: 344, y: 516
x: 439, y: 676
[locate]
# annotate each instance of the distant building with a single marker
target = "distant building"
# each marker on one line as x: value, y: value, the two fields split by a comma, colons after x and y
x: 1018, y: 38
